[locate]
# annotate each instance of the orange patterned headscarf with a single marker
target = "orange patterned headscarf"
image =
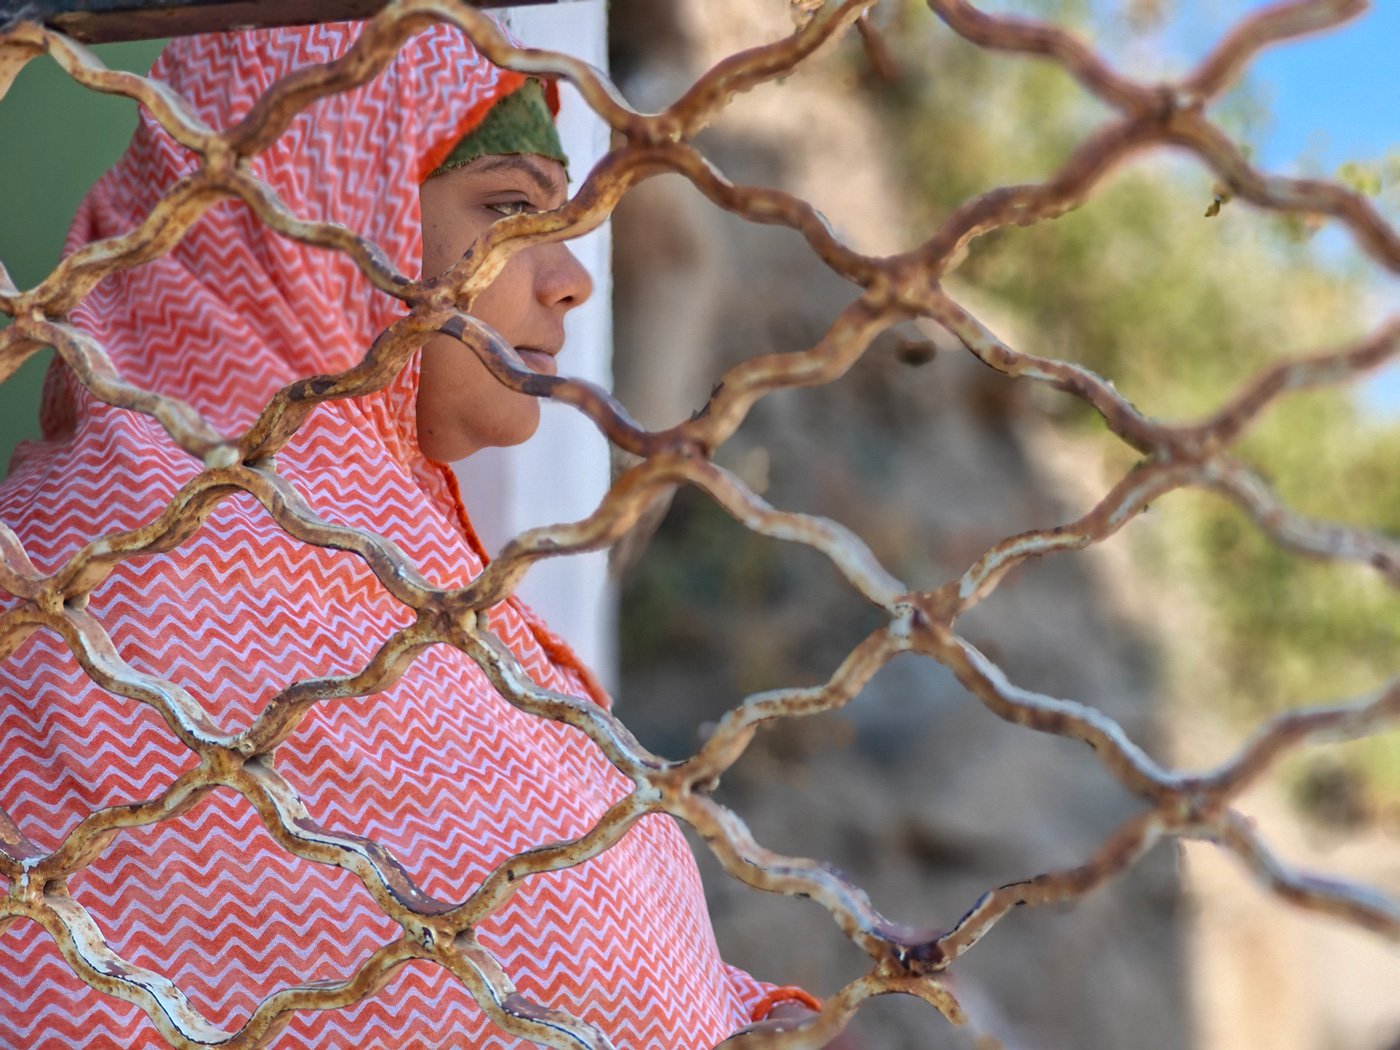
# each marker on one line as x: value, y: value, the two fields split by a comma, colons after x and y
x: 439, y: 769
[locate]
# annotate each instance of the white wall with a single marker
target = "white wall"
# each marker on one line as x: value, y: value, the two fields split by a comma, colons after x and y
x: 561, y: 473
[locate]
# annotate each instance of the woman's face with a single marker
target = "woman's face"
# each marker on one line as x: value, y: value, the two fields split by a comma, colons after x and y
x: 461, y: 406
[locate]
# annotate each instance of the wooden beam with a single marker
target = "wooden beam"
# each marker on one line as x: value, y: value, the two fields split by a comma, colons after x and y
x: 106, y: 21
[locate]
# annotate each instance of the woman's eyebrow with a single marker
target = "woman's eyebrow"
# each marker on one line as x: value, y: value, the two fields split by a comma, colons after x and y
x: 547, y: 182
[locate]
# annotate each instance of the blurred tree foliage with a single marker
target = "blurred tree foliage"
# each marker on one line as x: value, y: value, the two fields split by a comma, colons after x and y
x: 1177, y: 309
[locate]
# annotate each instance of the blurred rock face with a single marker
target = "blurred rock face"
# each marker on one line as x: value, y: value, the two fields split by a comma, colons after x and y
x: 914, y: 789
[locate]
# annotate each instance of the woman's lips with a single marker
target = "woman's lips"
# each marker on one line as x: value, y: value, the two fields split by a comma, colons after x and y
x: 538, y: 361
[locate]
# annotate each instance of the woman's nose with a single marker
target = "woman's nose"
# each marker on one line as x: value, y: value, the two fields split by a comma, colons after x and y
x: 561, y: 279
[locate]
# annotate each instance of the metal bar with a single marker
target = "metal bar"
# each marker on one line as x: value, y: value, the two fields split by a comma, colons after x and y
x: 108, y: 21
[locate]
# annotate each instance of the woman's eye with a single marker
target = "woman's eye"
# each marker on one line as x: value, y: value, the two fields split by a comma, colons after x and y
x: 516, y: 207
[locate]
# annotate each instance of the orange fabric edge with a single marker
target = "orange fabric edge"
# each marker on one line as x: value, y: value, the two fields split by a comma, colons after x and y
x: 509, y: 82
x: 551, y: 94
x: 786, y: 994
x: 560, y: 651
x: 555, y: 647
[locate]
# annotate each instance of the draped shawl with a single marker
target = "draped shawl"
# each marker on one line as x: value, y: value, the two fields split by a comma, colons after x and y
x: 439, y: 768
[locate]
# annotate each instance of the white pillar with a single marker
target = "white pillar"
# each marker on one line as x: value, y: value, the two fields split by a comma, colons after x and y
x: 562, y: 472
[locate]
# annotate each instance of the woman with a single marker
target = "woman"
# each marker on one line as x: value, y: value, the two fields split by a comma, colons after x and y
x: 439, y: 769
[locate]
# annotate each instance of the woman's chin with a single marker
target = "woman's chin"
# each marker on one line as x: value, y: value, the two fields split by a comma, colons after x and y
x: 519, y: 428
x: 525, y: 426
x: 502, y: 430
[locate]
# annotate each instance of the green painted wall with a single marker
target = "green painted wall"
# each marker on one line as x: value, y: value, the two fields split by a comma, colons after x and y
x: 56, y: 138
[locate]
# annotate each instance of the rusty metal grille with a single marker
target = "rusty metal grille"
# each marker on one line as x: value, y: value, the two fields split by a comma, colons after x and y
x: 921, y: 615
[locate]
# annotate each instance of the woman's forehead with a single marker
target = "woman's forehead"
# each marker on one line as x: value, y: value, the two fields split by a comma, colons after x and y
x: 546, y: 173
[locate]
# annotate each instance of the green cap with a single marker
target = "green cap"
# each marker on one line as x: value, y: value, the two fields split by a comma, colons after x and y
x: 519, y: 123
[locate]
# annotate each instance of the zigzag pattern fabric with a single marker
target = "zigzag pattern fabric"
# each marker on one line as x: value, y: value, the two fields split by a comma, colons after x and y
x: 440, y: 768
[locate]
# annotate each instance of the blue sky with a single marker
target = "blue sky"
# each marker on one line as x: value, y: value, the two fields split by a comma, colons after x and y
x: 1331, y: 97
x: 1335, y: 95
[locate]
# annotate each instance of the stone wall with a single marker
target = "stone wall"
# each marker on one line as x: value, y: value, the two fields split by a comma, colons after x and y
x: 915, y: 789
